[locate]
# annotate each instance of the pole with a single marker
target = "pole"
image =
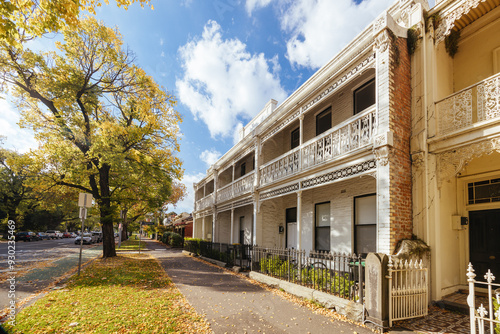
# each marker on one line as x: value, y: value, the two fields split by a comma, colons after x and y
x: 140, y: 237
x: 84, y: 213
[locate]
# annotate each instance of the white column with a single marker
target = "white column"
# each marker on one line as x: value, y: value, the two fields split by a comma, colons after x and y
x: 257, y: 163
x: 214, y: 221
x: 203, y: 235
x: 299, y: 220
x: 232, y: 227
x: 254, y: 223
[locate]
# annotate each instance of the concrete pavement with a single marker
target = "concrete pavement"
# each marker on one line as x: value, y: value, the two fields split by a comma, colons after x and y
x: 233, y: 304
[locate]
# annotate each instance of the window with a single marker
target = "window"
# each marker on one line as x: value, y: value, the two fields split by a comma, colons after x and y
x: 323, y: 121
x: 364, y: 96
x: 295, y: 138
x: 322, y: 229
x: 484, y: 191
x: 243, y: 169
x: 365, y: 220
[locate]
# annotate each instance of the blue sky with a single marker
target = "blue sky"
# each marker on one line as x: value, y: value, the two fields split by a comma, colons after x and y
x: 224, y: 60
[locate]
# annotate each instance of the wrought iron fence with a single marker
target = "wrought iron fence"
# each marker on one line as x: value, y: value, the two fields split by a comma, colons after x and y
x: 231, y: 255
x: 335, y: 273
x: 486, y: 318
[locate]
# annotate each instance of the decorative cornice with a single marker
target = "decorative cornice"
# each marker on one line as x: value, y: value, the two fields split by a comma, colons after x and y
x: 382, y: 42
x: 279, y: 191
x: 280, y: 126
x: 448, y: 21
x: 382, y: 154
x: 355, y: 70
x: 450, y: 163
x: 339, y: 174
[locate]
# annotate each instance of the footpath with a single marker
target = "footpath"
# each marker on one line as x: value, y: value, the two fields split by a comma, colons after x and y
x: 233, y: 304
x: 39, y: 279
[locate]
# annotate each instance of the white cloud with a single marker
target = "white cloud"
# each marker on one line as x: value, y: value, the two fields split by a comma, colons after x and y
x: 223, y: 83
x: 187, y: 204
x: 209, y: 157
x: 319, y: 29
x: 20, y: 140
x: 252, y: 5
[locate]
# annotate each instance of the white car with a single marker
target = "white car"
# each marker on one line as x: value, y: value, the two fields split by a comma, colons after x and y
x: 87, y: 239
x: 54, y: 234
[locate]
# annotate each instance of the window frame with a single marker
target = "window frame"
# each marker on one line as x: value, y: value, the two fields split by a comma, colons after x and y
x: 297, y: 132
x: 324, y: 112
x: 329, y: 227
x: 355, y: 225
x: 360, y: 87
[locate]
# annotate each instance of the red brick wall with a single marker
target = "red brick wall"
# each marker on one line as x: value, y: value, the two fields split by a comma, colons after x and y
x: 400, y: 124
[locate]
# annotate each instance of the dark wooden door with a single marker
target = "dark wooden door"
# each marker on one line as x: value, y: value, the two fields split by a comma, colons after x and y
x: 484, y: 241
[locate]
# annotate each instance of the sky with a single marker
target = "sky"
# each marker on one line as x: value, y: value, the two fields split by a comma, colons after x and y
x: 223, y: 60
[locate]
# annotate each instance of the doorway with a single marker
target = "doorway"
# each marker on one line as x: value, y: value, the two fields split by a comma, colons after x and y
x: 484, y: 245
x: 291, y: 228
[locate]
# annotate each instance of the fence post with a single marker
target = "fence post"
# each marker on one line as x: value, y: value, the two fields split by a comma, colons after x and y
x: 470, y: 298
x: 376, y: 288
x: 360, y: 279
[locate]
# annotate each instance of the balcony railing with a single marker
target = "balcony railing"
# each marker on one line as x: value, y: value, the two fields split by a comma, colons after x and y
x: 477, y: 103
x: 339, y: 140
x: 205, y: 202
x: 239, y: 187
x: 287, y: 164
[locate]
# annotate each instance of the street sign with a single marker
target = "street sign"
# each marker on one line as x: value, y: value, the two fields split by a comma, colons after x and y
x: 147, y: 223
x: 85, y: 200
x: 83, y: 213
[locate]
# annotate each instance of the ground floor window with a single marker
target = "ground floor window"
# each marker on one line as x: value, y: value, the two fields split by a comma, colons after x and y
x: 365, y: 224
x: 322, y: 226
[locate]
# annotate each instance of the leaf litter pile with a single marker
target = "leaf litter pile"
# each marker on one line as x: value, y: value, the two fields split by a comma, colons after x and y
x: 124, y: 294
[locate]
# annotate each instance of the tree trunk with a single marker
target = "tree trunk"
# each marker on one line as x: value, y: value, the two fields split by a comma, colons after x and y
x: 124, y: 232
x: 108, y: 233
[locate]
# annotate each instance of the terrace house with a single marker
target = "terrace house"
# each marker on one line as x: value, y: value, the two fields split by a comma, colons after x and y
x: 455, y: 141
x: 329, y: 168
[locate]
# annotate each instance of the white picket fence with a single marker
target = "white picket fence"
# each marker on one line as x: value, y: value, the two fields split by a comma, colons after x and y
x: 482, y: 318
x: 408, y: 289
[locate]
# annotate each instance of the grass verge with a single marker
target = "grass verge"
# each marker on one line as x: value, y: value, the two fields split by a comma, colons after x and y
x: 132, y: 244
x: 125, y: 294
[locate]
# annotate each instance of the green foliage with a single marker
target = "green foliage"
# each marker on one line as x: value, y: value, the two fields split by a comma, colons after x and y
x: 451, y: 42
x: 496, y: 306
x: 176, y: 240
x: 104, y: 126
x: 193, y: 245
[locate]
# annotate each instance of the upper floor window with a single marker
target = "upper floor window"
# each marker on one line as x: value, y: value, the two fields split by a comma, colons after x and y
x: 323, y: 121
x: 243, y: 169
x: 364, y: 96
x: 295, y: 138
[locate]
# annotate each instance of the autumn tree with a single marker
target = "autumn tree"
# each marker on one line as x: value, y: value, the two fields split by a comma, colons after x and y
x: 23, y: 20
x: 103, y: 125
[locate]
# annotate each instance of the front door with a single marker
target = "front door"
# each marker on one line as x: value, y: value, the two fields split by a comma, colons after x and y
x: 484, y: 241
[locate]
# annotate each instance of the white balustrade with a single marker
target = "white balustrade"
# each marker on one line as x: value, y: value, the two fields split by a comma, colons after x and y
x: 205, y: 202
x: 281, y: 167
x: 340, y: 140
x: 457, y: 111
x: 225, y: 193
x: 243, y: 185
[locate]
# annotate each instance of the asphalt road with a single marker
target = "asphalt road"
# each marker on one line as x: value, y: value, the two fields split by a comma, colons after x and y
x: 35, y: 251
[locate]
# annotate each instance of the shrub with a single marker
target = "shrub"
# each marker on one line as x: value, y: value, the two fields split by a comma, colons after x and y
x: 176, y: 240
x: 193, y: 245
x: 166, y: 237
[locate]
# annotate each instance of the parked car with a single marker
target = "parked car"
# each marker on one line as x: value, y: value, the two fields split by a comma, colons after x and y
x: 54, y: 234
x: 87, y: 239
x: 42, y: 236
x: 66, y: 235
x: 97, y: 235
x: 26, y: 236
x: 73, y: 235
